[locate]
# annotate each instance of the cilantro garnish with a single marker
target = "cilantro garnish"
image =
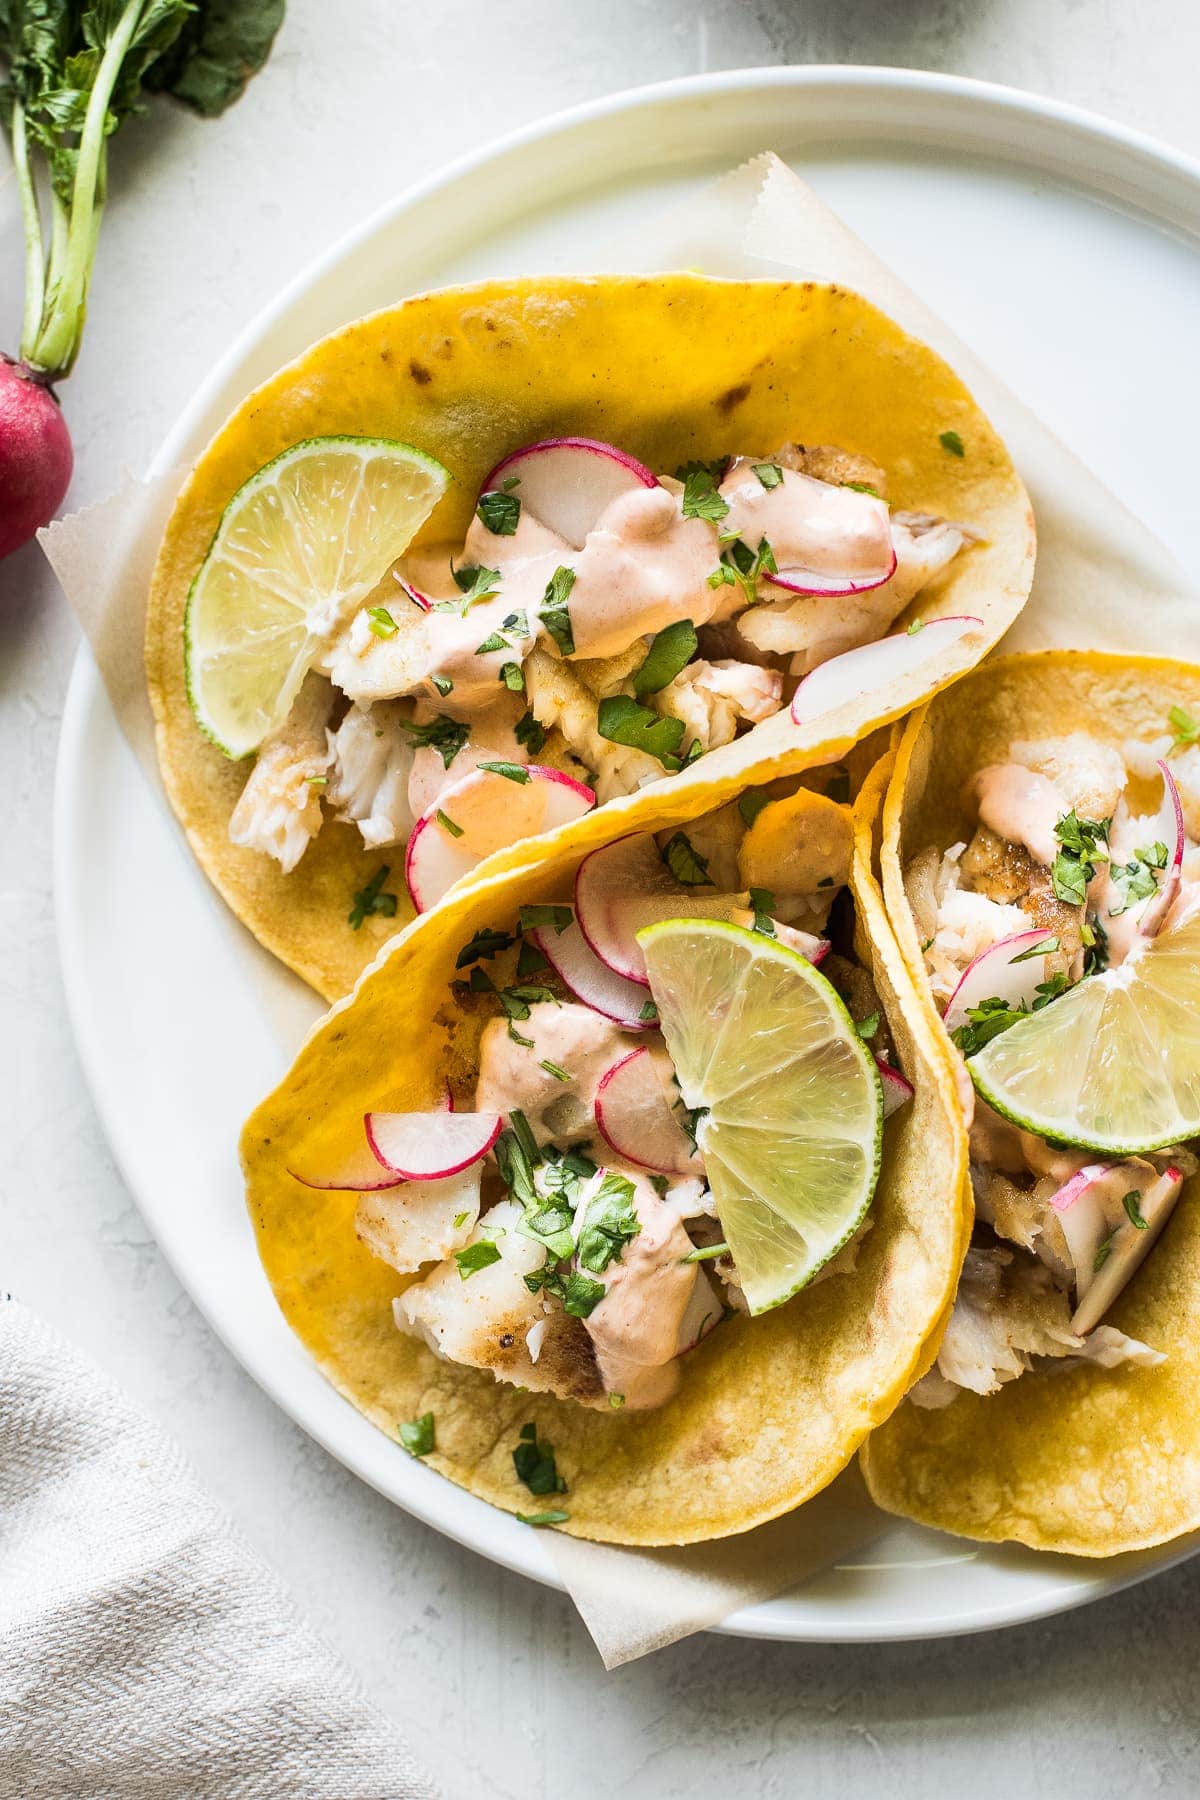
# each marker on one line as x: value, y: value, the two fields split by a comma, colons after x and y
x: 716, y: 468
x: 382, y: 623
x: 770, y: 474
x: 608, y: 1224
x: 741, y: 566
x: 443, y: 734
x: 1104, y: 1252
x: 448, y: 824
x: 532, y: 917
x: 951, y: 442
x: 751, y: 804
x: 535, y: 1465
x: 542, y: 1518
x: 500, y: 512
x: 708, y: 1254
x: 511, y: 771
x: 648, y: 1013
x: 622, y: 721
x: 529, y: 733
x: 991, y: 1017
x: 555, y: 615
x: 480, y: 1255
x: 671, y: 650
x: 866, y: 1028
x: 685, y: 861
x: 1183, y: 725
x: 513, y: 677
x: 1133, y: 1209
x: 474, y: 584
x: 486, y: 943
x: 418, y: 1435
x: 530, y: 961
x: 1137, y: 880
x: 443, y: 684
x: 1046, y: 947
x: 863, y: 487
x: 495, y: 640
x: 700, y: 497
x: 372, y: 899
x: 553, y: 1069
x: 762, y: 904
x: 1084, y: 845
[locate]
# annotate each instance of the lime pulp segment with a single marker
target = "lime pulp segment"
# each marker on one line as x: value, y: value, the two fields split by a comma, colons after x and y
x: 792, y: 1132
x: 299, y: 547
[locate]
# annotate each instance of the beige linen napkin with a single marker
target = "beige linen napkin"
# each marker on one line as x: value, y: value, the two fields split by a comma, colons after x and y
x: 1099, y: 571
x: 144, y: 1648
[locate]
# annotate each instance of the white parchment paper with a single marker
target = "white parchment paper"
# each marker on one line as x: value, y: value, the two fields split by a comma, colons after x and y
x: 1099, y: 572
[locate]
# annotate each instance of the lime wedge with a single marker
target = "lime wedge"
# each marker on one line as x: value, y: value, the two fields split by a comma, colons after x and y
x: 793, y: 1120
x: 299, y: 547
x: 1114, y: 1064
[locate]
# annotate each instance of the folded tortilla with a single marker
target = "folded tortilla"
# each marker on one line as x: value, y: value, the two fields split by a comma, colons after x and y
x: 669, y: 368
x: 769, y: 1409
x: 1086, y: 1460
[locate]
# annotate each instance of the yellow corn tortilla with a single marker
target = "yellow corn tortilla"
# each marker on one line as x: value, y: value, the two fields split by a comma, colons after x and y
x: 669, y: 368
x: 770, y: 1409
x: 1088, y: 1461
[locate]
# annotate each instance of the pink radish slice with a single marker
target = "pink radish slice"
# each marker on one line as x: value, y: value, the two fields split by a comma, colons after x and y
x: 415, y: 594
x: 430, y: 1146
x: 1129, y: 1247
x: 635, y: 1119
x: 625, y: 885
x: 1152, y: 919
x: 996, y: 975
x: 818, y: 581
x: 1083, y: 1205
x: 360, y: 1173
x: 486, y: 812
x: 576, y: 963
x: 872, y: 667
x: 568, y: 482
x: 896, y: 1090
x: 701, y: 1313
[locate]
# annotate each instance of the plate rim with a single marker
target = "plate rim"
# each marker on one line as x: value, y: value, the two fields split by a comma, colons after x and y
x: 85, y: 693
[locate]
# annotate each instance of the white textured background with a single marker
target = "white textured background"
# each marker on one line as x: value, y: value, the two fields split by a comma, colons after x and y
x: 495, y: 1679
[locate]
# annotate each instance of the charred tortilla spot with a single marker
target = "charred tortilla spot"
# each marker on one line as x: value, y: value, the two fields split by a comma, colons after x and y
x: 420, y: 374
x: 733, y: 397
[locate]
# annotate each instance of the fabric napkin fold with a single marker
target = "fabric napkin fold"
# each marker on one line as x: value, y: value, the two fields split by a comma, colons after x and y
x: 145, y: 1650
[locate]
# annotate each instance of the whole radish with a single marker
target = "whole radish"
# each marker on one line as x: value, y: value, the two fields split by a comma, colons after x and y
x: 74, y: 73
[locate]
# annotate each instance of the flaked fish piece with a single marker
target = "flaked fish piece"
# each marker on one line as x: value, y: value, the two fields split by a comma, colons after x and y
x: 553, y: 1079
x: 827, y: 462
x: 1089, y: 775
x: 713, y: 698
x: 371, y: 761
x: 1007, y: 874
x: 561, y: 701
x: 717, y: 838
x: 279, y: 809
x: 368, y: 660
x: 420, y: 1221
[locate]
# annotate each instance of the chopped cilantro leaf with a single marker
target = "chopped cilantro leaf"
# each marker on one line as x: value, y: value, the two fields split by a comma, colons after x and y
x: 762, y: 903
x: 535, y: 1465
x: 418, y: 1435
x: 553, y: 1069
x: 1104, y: 1252
x: 670, y: 651
x: 443, y: 684
x: 530, y: 961
x: 866, y: 1028
x: 460, y: 1220
x: 1133, y: 1209
x: 382, y: 623
x: 513, y: 677
x: 1084, y: 845
x: 500, y: 512
x: 739, y: 564
x: 685, y: 862
x: 480, y: 1255
x: 555, y: 614
x: 511, y: 771
x: 448, y: 824
x: 863, y: 487
x: 372, y: 899
x: 616, y: 1400
x: 701, y: 499
x: 951, y: 442
x: 1047, y: 947
x: 581, y: 1295
x: 716, y: 468
x: 622, y: 721
x: 1134, y: 881
x: 543, y: 1518
x: 648, y: 1013
x: 608, y: 1224
x: 770, y: 474
x: 445, y: 735
x: 485, y: 943
x: 709, y: 1253
x: 495, y: 640
x: 751, y: 804
x: 474, y: 584
x: 530, y: 734
x: 533, y: 916
x: 1183, y: 725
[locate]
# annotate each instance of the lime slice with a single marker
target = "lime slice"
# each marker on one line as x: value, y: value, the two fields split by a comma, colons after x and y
x: 1114, y: 1065
x: 299, y: 547
x: 793, y: 1125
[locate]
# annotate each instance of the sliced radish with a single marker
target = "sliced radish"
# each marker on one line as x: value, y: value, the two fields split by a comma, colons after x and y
x: 896, y: 1090
x: 701, y: 1313
x: 636, y: 1119
x: 1083, y: 1205
x: 871, y: 667
x: 577, y: 965
x: 568, y: 482
x: 420, y: 1221
x: 1128, y: 1249
x: 414, y: 594
x: 1152, y: 919
x: 625, y: 885
x: 995, y: 974
x: 430, y: 1146
x: 818, y: 581
x: 482, y: 813
x: 360, y: 1172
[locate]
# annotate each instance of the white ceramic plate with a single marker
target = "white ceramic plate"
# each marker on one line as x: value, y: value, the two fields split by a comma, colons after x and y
x: 1062, y: 247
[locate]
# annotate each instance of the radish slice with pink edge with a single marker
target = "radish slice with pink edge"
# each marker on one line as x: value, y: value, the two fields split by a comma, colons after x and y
x: 480, y: 814
x: 430, y: 1146
x: 625, y: 885
x: 1152, y: 919
x: 414, y: 594
x: 579, y: 968
x: 568, y: 482
x: 360, y: 1172
x: 997, y: 973
x: 702, y: 1312
x: 819, y: 581
x: 636, y: 1120
x: 871, y: 667
x: 1129, y: 1246
x: 897, y: 1091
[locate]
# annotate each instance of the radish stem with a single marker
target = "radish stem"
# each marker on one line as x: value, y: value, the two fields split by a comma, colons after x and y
x: 35, y: 275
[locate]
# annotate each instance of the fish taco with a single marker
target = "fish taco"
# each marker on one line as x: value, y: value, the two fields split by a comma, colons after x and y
x: 1041, y: 862
x: 615, y: 533
x: 607, y: 1191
